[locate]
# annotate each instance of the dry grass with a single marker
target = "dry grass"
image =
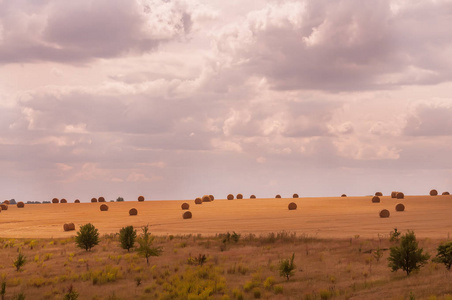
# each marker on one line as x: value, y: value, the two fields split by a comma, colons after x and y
x: 325, y: 269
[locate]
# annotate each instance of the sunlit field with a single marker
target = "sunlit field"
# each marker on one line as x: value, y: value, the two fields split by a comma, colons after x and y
x: 335, y: 217
x: 334, y: 241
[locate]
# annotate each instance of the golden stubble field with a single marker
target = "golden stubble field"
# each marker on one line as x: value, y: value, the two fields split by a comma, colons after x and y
x: 333, y: 217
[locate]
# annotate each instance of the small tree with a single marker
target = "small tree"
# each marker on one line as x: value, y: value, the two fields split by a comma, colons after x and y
x: 120, y: 199
x: 444, y: 255
x: 287, y: 267
x: 127, y: 237
x: 145, y: 241
x: 20, y: 261
x: 87, y: 237
x: 394, y: 235
x: 407, y: 255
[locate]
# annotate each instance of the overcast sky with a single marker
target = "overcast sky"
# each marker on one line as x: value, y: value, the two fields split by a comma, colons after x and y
x: 176, y: 99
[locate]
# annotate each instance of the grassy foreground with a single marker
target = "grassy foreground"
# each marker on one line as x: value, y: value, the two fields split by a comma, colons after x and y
x: 243, y: 269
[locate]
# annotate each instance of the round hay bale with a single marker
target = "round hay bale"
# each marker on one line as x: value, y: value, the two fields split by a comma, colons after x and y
x: 292, y: 206
x: 77, y: 201
x: 278, y: 196
x: 379, y: 194
x: 55, y: 200
x: 68, y: 226
x: 140, y: 199
x: 445, y: 193
x: 400, y: 207
x: 133, y: 212
x: 101, y: 199
x: 384, y: 213
x: 230, y: 197
x: 4, y: 206
x: 187, y: 215
x: 104, y: 207
x: 93, y: 200
x: 295, y: 196
x: 433, y: 193
x: 20, y: 204
x: 185, y: 206
x: 206, y: 198
x: 211, y: 197
x: 198, y: 201
x: 252, y: 197
x: 63, y: 201
x: 400, y: 195
x: 343, y: 195
x: 375, y: 199
x: 6, y: 202
x: 239, y: 196
x: 394, y: 194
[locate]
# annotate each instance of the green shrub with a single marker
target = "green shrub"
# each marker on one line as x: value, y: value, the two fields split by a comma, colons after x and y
x: 87, y: 237
x: 269, y: 282
x: 394, y: 235
x: 145, y: 241
x: 71, y: 294
x: 3, y: 290
x: 256, y: 293
x: 407, y: 256
x: 127, y: 237
x: 287, y: 267
x: 444, y: 255
x: 237, y: 294
x: 20, y: 261
x: 248, y: 286
x: 325, y: 294
x: 278, y: 289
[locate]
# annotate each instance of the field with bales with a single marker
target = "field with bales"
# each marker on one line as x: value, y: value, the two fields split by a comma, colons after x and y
x: 226, y: 249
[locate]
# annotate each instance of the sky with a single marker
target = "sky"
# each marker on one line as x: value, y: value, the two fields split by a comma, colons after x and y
x: 174, y: 99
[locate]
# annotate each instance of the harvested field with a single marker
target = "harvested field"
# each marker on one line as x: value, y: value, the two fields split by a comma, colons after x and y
x: 332, y: 217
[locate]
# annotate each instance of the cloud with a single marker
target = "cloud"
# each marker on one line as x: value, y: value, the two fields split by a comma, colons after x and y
x: 84, y: 30
x: 430, y: 119
x: 343, y: 45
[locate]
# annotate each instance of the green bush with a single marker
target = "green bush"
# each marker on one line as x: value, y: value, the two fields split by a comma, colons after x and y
x: 278, y: 289
x: 287, y: 267
x: 145, y: 241
x: 127, y: 237
x: 257, y: 293
x: 71, y: 294
x: 444, y: 255
x: 87, y: 237
x: 20, y: 261
x: 325, y: 294
x: 269, y: 282
x: 407, y: 255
